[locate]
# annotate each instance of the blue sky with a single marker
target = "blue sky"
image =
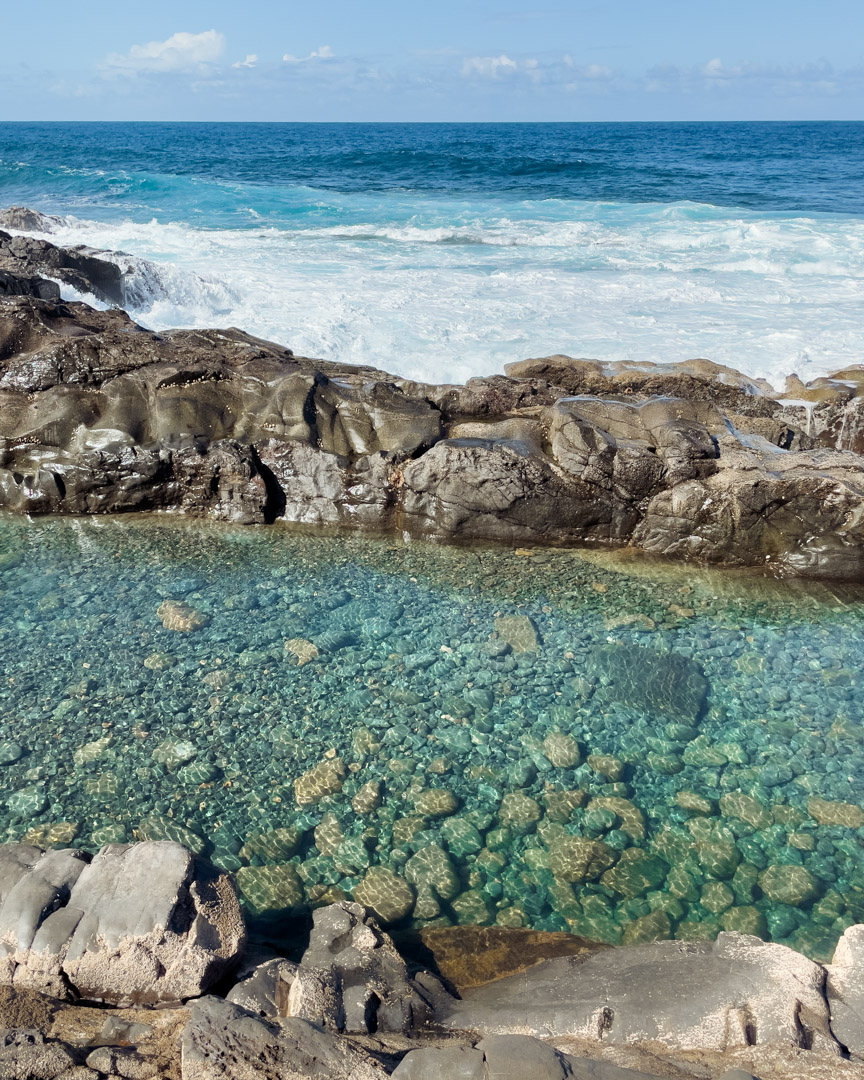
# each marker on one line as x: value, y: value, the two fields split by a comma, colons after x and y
x: 382, y: 60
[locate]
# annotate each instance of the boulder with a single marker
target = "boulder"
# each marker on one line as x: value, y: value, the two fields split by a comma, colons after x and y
x: 224, y: 1042
x: 138, y: 924
x: 352, y: 979
x: 845, y: 990
x: 708, y: 996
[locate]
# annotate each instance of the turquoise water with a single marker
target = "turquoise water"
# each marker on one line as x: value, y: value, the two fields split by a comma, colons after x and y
x: 562, y: 740
x: 444, y: 251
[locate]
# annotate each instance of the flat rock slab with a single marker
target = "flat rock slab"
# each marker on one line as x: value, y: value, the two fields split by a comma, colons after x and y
x: 144, y: 924
x: 657, y: 682
x: 718, y: 996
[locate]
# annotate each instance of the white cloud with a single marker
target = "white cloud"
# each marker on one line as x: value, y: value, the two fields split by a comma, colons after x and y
x: 179, y: 53
x: 250, y: 61
x: 746, y: 77
x: 489, y: 67
x: 323, y: 52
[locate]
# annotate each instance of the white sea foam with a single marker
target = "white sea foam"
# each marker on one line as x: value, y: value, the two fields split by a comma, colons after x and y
x: 461, y: 292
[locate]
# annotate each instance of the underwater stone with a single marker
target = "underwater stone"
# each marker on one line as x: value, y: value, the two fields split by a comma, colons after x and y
x: 278, y: 844
x: 436, y: 802
x: 406, y: 828
x: 519, y: 811
x: 836, y: 813
x: 325, y: 779
x: 574, y: 859
x: 745, y: 920
x: 270, y: 888
x: 27, y: 801
x: 165, y: 829
x: 648, y: 928
x: 115, y: 833
x: 461, y: 836
x: 46, y: 836
x: 607, y: 765
x: 472, y: 909
x: 666, y: 683
x: 198, y: 772
x: 716, y: 897
x: 386, y: 894
x: 718, y: 857
x: 180, y: 616
x: 328, y: 835
x: 10, y: 752
x: 793, y: 885
x: 745, y: 808
x: 631, y: 817
x: 519, y: 633
x: 703, y: 755
x: 174, y: 752
x: 561, y: 804
x: 91, y: 751
x: 562, y: 750
x: 368, y: 797
x: 159, y: 661
x: 696, y: 804
x: 431, y: 867
x: 635, y: 873
x: 302, y: 650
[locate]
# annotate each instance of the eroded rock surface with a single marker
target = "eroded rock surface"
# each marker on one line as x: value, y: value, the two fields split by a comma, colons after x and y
x: 692, y: 460
x: 720, y: 996
x: 138, y: 924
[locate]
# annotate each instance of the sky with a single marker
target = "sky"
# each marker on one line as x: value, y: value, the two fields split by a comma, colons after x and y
x: 379, y: 60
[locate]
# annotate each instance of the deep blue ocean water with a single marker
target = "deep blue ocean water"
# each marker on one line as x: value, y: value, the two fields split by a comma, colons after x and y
x: 446, y: 250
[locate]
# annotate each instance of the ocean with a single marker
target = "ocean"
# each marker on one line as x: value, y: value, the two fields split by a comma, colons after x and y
x: 444, y: 251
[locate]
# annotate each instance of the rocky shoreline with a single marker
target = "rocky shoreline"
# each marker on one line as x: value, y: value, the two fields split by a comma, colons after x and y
x: 690, y: 460
x: 136, y: 963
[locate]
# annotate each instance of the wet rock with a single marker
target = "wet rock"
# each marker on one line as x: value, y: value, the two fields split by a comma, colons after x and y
x: 519, y: 810
x: 518, y: 631
x: 177, y: 615
x: 140, y: 924
x: 575, y: 859
x: 665, y: 683
x: 270, y: 888
x: 303, y: 651
x: 387, y: 895
x: 102, y: 415
x: 793, y: 885
x: 325, y: 779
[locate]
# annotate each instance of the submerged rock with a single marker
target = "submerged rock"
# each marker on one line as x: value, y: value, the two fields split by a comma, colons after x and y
x: 657, y: 682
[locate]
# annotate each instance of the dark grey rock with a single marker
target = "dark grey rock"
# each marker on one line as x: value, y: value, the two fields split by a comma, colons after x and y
x: 352, y: 979
x: 122, y: 1061
x: 98, y: 415
x: 654, y: 681
x: 438, y: 1062
x: 224, y: 1042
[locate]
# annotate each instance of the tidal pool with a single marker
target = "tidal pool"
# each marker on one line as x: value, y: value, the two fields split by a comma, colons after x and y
x: 563, y: 740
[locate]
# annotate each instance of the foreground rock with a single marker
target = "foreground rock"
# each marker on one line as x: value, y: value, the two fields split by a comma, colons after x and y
x: 98, y: 415
x: 138, y: 924
x: 83, y: 269
x: 719, y: 996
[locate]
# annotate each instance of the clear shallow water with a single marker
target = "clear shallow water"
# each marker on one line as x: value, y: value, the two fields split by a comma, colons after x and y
x: 445, y: 251
x: 733, y: 706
